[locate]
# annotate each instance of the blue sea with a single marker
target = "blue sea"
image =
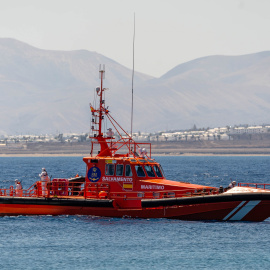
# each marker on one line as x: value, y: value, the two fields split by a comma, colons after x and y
x: 87, y: 242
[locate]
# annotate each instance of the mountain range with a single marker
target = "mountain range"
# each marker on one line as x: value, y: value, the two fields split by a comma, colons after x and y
x: 44, y: 91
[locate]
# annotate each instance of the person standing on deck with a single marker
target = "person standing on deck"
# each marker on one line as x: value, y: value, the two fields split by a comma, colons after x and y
x: 45, y: 179
x: 232, y: 184
x: 18, y: 188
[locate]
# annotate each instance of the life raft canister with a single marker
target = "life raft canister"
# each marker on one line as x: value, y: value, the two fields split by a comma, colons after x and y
x: 39, y: 188
x: 11, y: 193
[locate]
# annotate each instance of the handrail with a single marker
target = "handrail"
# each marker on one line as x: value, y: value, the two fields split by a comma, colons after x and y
x: 161, y: 194
x: 117, y: 145
x: 64, y: 188
x: 254, y: 185
x: 11, y: 192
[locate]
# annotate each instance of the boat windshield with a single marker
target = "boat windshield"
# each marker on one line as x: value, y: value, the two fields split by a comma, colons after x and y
x: 128, y: 170
x: 139, y: 171
x: 149, y: 170
x: 109, y: 169
x: 157, y: 170
x: 119, y: 169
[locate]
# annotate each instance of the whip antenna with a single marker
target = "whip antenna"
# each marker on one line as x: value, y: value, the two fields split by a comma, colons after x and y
x: 132, y: 79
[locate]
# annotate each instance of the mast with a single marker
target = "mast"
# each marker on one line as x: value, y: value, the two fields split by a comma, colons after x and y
x: 109, y: 147
x: 98, y: 116
x: 131, y: 128
x: 101, y: 101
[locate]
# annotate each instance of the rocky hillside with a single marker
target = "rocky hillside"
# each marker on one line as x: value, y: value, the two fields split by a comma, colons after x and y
x: 50, y: 91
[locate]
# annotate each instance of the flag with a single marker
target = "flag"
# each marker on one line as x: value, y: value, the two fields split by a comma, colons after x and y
x: 128, y: 186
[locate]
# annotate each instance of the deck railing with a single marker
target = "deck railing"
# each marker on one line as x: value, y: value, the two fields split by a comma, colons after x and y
x: 64, y: 188
x: 255, y: 185
x: 13, y: 192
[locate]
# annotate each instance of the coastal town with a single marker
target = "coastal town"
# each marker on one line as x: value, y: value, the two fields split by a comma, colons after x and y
x: 194, y: 134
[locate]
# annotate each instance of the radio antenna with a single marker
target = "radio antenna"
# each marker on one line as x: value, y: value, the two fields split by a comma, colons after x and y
x: 132, y: 79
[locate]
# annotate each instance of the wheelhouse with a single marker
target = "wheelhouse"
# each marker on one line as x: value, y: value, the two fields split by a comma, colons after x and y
x: 121, y: 168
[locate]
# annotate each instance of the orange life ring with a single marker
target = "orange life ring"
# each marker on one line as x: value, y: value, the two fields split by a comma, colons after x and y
x: 103, y: 194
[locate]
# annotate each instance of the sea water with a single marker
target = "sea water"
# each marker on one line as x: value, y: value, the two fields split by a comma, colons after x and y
x: 87, y: 242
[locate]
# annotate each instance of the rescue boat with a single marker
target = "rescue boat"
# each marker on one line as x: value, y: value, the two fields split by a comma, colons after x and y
x: 123, y: 180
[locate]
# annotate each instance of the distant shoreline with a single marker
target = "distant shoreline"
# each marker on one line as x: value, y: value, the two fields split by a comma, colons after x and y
x: 42, y: 155
x: 169, y: 148
x: 153, y: 155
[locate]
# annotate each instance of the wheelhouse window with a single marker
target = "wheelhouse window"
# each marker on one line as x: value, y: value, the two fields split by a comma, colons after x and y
x: 109, y: 169
x: 157, y: 171
x: 139, y: 171
x: 149, y: 170
x: 119, y: 169
x: 128, y: 170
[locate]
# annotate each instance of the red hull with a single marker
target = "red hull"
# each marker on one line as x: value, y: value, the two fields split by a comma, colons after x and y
x: 225, y: 211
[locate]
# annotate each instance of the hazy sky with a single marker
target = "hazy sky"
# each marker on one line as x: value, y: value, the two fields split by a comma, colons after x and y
x: 168, y: 32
